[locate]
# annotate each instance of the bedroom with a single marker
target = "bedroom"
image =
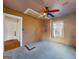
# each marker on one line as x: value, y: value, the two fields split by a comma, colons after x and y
x: 39, y: 33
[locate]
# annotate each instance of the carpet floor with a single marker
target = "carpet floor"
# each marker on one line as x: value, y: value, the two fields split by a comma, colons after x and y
x: 43, y: 50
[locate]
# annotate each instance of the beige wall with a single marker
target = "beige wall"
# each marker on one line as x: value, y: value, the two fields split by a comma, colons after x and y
x: 36, y: 30
x: 69, y: 30
x: 32, y: 27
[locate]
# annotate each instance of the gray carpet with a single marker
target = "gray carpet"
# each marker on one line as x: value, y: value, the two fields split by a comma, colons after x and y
x: 43, y: 50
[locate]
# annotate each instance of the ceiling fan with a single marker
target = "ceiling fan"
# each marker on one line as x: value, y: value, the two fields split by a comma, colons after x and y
x: 46, y: 12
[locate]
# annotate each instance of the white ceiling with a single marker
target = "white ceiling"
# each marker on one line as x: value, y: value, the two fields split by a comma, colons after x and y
x: 22, y: 5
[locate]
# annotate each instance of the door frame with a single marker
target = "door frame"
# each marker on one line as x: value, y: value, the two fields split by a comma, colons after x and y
x: 20, y: 19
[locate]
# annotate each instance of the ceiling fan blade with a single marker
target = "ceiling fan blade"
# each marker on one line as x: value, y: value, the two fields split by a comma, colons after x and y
x: 56, y: 10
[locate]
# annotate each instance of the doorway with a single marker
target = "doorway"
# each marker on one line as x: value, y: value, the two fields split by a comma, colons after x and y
x: 12, y: 27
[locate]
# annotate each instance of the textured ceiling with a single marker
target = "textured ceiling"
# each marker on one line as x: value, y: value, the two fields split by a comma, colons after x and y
x: 65, y: 6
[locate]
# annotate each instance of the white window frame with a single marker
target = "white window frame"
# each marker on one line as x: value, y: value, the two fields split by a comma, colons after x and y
x: 58, y: 29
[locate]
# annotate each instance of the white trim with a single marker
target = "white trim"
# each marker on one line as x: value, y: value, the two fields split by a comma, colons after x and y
x: 13, y: 16
x: 20, y: 25
x: 29, y: 10
x: 50, y: 28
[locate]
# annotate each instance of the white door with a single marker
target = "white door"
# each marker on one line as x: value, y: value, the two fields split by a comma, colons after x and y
x: 12, y: 28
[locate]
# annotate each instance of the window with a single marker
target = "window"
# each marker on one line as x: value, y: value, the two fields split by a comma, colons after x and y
x: 58, y: 29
